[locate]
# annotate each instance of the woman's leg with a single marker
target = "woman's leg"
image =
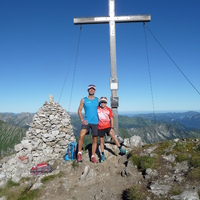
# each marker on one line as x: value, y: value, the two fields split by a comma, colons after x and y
x: 102, y: 144
x: 112, y: 135
x: 102, y: 149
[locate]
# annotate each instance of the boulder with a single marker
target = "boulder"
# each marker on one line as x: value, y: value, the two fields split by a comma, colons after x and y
x: 18, y: 147
x: 134, y: 141
x: 159, y: 189
x: 187, y: 195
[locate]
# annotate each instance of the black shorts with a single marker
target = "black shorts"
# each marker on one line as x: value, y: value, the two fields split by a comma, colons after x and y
x: 93, y: 127
x: 102, y: 132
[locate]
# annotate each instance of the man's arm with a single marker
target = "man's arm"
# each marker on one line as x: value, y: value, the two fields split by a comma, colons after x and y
x: 80, y: 109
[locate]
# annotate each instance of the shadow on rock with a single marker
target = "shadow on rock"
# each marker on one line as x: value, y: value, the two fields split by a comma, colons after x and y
x: 125, y: 195
x: 89, y: 149
x: 109, y: 150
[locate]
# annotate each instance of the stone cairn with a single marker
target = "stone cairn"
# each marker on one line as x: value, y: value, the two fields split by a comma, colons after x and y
x: 46, y: 140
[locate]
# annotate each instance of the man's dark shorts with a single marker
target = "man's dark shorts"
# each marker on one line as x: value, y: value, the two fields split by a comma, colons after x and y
x: 102, y: 132
x: 93, y: 127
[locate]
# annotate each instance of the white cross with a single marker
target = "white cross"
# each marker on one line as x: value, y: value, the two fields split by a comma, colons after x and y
x: 112, y: 19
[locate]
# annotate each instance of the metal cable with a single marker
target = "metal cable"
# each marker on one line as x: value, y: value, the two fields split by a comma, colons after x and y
x: 173, y: 61
x: 149, y: 73
x: 75, y: 69
x: 70, y: 63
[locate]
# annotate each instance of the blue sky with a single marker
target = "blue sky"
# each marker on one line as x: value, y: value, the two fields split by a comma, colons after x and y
x: 37, y: 40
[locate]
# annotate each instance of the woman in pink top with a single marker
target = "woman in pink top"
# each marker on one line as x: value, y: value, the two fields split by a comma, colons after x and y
x: 105, y: 126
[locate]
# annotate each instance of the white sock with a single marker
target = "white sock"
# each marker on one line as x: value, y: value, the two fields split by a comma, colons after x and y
x: 80, y: 152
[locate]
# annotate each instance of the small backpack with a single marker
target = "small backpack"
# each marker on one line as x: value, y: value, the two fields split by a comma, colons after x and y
x: 41, y: 168
x: 71, y: 152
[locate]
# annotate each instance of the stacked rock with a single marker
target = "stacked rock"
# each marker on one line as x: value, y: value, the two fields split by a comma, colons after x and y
x: 46, y: 140
x: 48, y: 135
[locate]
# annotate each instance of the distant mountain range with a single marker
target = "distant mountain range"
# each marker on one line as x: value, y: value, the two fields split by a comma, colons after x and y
x: 164, y: 126
x: 23, y: 119
x: 189, y: 119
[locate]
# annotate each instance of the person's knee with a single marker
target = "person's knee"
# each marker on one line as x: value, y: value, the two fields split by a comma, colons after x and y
x: 82, y: 135
x: 101, y: 140
x: 112, y: 135
x: 94, y: 139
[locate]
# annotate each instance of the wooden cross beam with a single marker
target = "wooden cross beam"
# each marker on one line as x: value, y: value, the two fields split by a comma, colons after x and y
x: 112, y: 19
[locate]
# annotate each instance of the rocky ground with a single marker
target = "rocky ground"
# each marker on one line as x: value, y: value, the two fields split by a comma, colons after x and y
x: 112, y: 179
x: 87, y: 180
x: 103, y: 181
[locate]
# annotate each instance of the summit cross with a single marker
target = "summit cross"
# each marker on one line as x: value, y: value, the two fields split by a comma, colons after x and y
x: 112, y: 19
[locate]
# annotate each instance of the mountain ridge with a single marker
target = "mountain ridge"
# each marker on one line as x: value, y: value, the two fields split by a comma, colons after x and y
x: 9, y: 136
x: 167, y: 126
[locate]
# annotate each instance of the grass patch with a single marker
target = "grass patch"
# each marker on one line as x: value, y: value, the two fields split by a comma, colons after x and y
x: 181, y: 157
x: 143, y: 162
x: 51, y: 177
x: 48, y: 178
x: 74, y: 164
x: 134, y: 193
x: 194, y: 174
x: 24, y: 179
x: 134, y: 158
x: 179, y: 147
x: 188, y: 151
x: 194, y: 161
x: 198, y: 147
x: 1, y: 192
x: 29, y: 195
x: 175, y: 190
x: 146, y: 162
x: 60, y: 174
x: 11, y: 184
x: 13, y: 191
x: 163, y: 146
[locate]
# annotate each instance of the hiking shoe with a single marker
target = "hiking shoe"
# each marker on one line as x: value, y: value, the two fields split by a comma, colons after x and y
x: 93, y: 159
x: 123, y: 151
x: 103, y: 158
x: 79, y: 158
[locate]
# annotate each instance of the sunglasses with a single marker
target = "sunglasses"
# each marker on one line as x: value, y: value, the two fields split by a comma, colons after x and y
x: 103, y: 98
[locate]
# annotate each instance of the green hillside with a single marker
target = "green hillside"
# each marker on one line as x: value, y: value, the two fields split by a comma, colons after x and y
x: 9, y: 136
x: 149, y: 130
x: 133, y: 122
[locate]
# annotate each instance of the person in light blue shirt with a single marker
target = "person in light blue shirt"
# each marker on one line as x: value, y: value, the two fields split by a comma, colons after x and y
x: 90, y: 122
